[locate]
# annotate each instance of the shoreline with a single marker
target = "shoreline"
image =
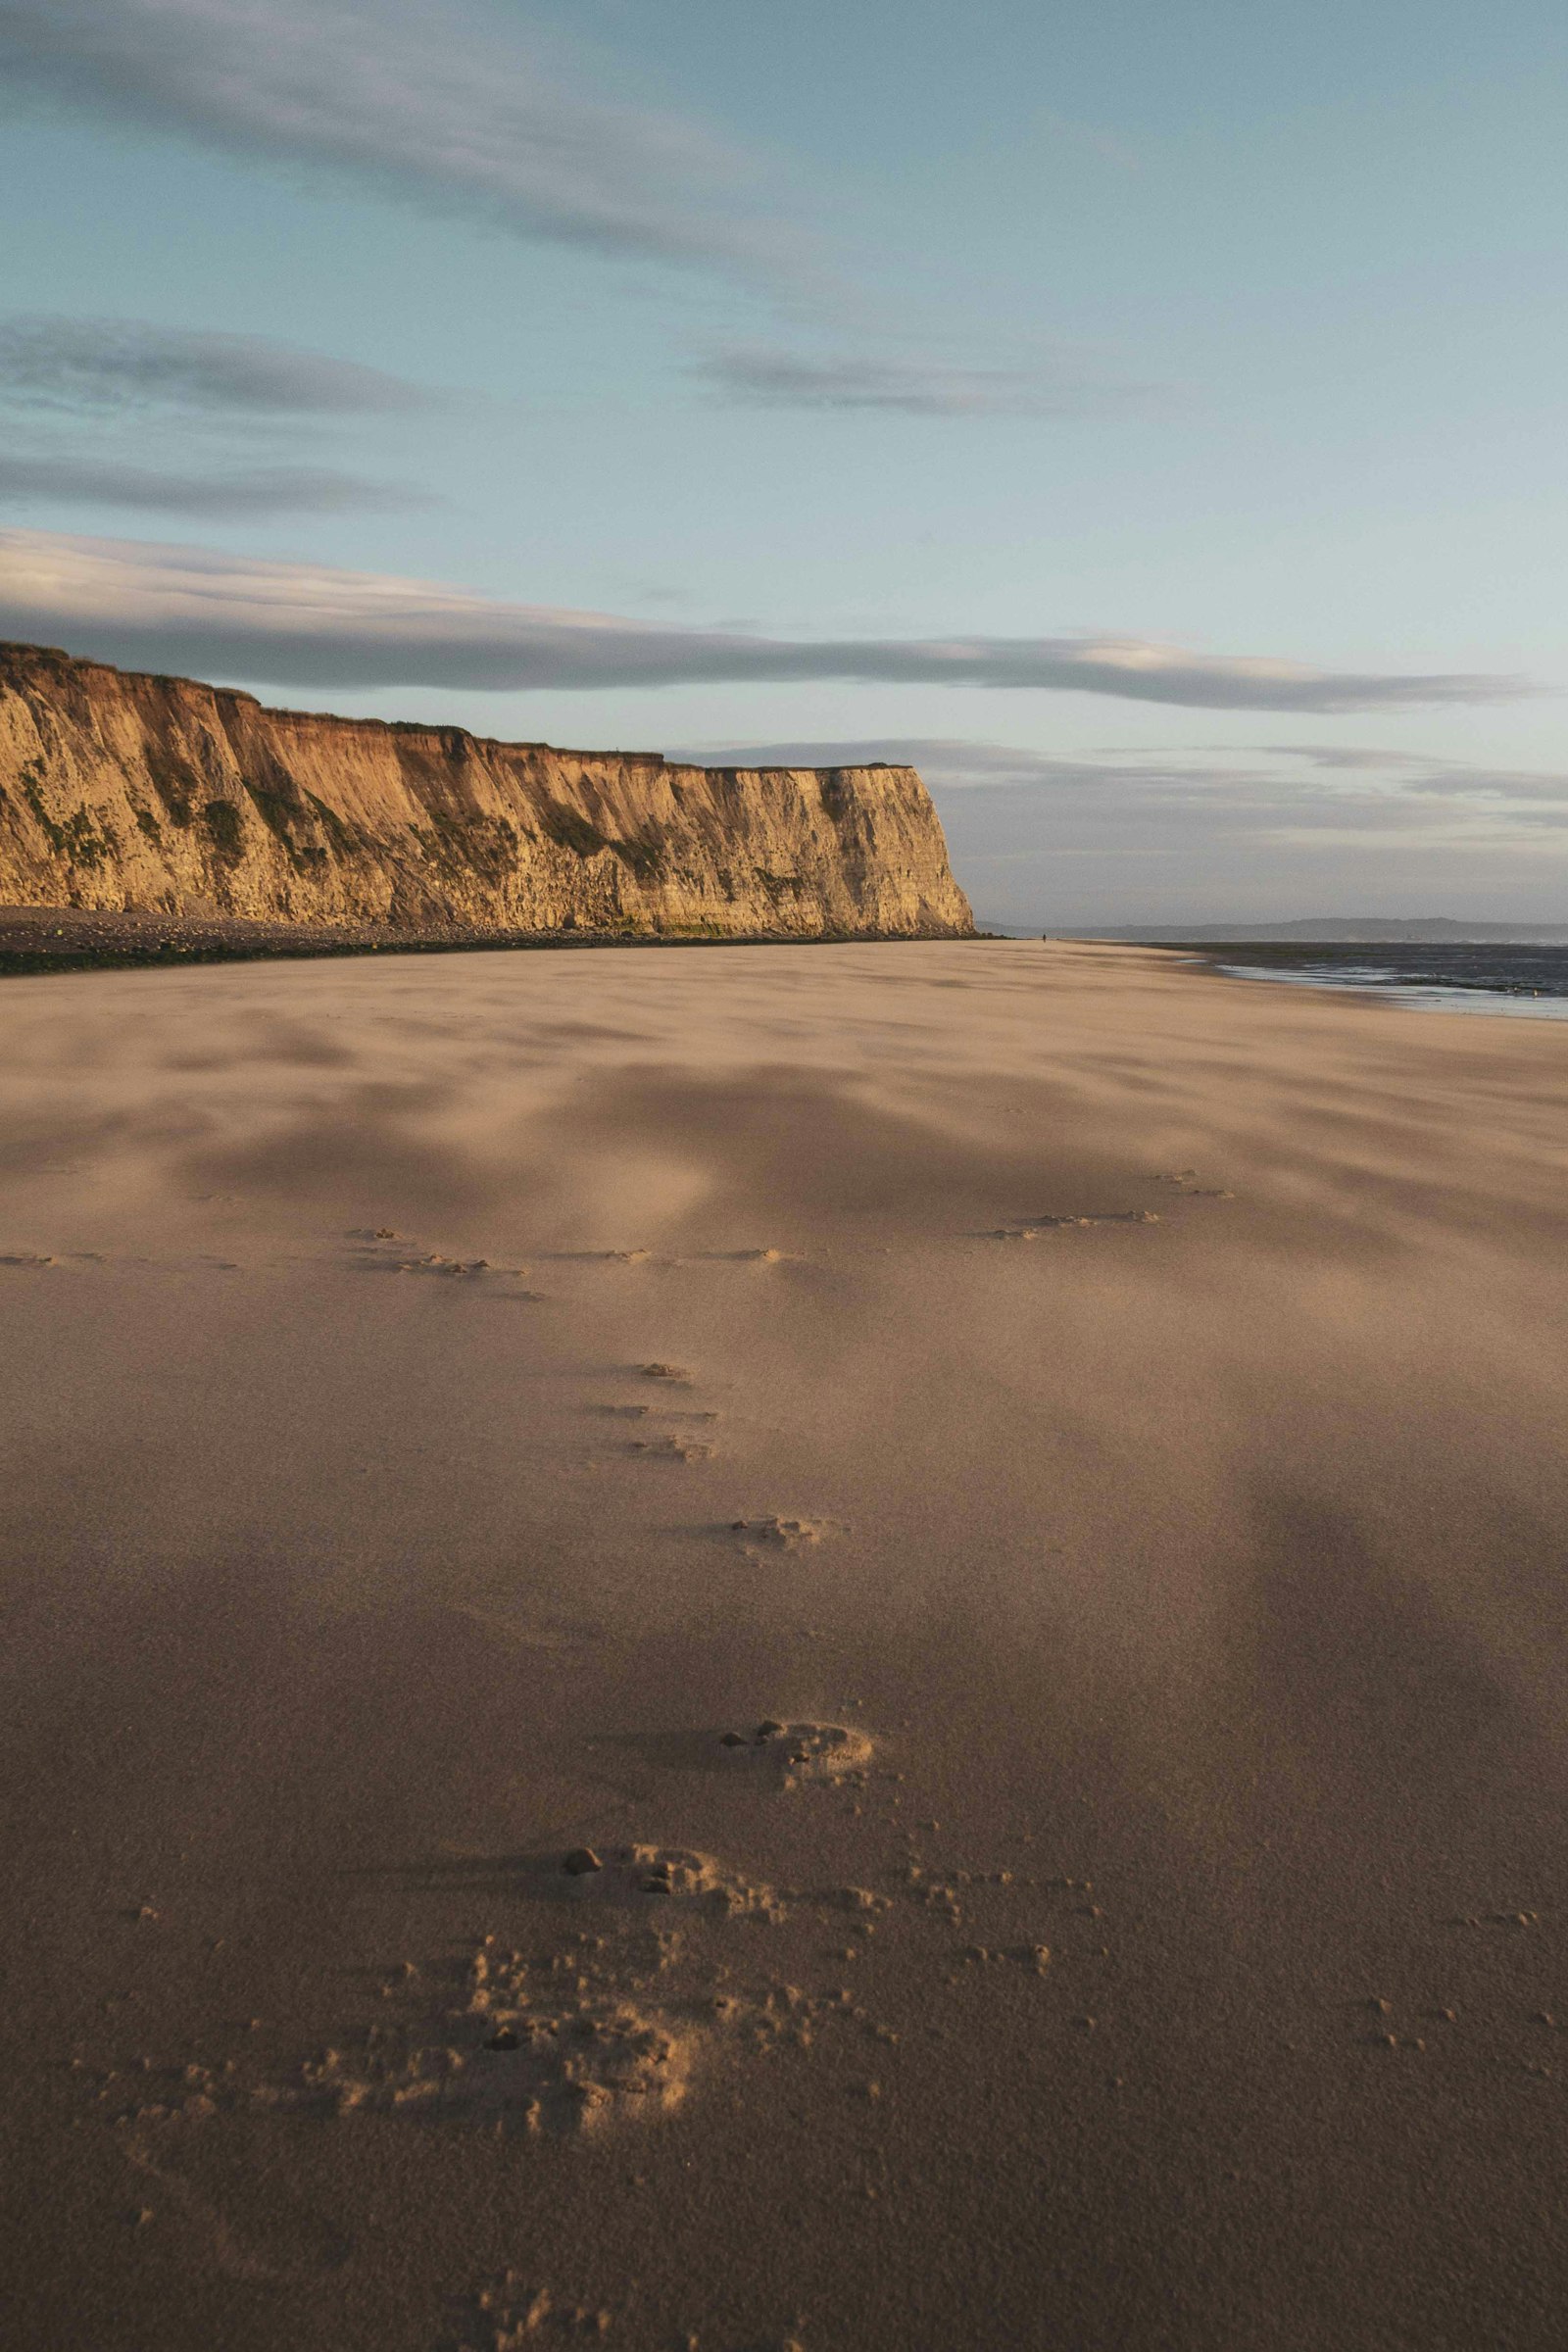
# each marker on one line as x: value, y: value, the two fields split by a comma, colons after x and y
x: 1367, y: 972
x: 1316, y: 966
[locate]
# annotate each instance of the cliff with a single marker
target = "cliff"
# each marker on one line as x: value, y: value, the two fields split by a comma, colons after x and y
x: 123, y: 791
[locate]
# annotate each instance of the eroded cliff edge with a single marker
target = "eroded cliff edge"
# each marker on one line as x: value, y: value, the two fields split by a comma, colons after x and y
x: 123, y: 791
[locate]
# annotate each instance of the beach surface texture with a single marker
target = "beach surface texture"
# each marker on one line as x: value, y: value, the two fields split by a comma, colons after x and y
x: 859, y: 1648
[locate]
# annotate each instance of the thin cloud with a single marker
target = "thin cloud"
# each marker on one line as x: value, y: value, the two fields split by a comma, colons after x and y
x: 1367, y: 759
x: 253, y: 490
x: 957, y: 763
x: 96, y: 366
x: 762, y: 377
x: 169, y: 607
x: 1095, y: 791
x: 953, y: 763
x: 1445, y: 779
x: 1434, y: 775
x: 425, y: 102
x: 1001, y: 802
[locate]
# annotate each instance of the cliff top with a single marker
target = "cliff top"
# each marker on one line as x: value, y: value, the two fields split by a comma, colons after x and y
x: 436, y: 730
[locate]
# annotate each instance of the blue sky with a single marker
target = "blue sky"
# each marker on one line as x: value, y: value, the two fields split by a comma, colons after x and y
x: 1148, y: 418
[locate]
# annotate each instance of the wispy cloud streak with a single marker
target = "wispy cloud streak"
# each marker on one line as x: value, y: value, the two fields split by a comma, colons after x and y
x: 429, y: 103
x: 762, y: 376
x: 244, y: 490
x: 307, y: 624
x: 107, y: 366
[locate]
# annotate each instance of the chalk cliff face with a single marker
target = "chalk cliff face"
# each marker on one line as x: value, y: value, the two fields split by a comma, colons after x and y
x: 123, y: 791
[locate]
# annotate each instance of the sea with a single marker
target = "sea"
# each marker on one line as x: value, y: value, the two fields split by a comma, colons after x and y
x: 1528, y: 981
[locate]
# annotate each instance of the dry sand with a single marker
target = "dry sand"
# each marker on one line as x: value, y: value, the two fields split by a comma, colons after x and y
x: 1108, y: 1421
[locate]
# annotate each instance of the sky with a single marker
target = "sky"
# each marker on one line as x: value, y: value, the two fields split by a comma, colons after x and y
x: 1148, y: 420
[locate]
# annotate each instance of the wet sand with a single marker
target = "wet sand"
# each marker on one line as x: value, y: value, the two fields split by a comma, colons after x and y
x: 1104, y: 1419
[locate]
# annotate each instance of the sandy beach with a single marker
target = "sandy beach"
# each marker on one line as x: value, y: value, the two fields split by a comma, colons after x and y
x: 1009, y: 1497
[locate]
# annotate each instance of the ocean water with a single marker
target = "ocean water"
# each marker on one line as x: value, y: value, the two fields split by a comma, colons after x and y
x: 1519, y: 980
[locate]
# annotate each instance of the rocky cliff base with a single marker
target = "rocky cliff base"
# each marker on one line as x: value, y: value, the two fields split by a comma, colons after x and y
x: 77, y: 939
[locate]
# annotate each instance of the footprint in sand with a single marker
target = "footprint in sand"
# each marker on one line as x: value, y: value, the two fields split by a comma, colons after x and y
x: 631, y: 1874
x: 770, y: 1754
x: 508, y: 2310
x: 609, y: 2017
x: 790, y: 1754
x: 1036, y: 1226
x: 784, y: 1535
x: 641, y: 1413
x: 1035, y: 1957
x: 671, y: 1448
x: 627, y: 1975
x: 1185, y: 1180
x: 379, y: 1259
